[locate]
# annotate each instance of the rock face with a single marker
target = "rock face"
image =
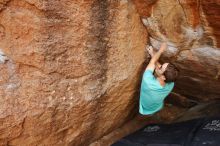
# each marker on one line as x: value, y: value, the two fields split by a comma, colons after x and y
x: 192, y: 29
x: 69, y: 69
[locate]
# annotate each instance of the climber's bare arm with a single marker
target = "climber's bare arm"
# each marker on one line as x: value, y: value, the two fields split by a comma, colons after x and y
x: 151, y: 52
x: 155, y: 56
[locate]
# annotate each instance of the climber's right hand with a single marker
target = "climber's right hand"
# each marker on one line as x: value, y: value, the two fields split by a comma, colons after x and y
x: 150, y: 50
x: 163, y: 47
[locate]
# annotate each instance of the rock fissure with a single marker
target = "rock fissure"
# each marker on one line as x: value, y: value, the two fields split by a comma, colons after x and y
x: 183, y: 11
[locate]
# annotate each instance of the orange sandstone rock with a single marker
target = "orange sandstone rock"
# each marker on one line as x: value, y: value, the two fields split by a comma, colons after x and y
x: 191, y: 29
x: 72, y: 69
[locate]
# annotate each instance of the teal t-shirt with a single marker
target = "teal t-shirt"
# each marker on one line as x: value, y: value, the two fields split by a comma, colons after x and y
x: 152, y: 93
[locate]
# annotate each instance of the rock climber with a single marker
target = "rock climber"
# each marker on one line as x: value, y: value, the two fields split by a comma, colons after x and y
x: 157, y: 82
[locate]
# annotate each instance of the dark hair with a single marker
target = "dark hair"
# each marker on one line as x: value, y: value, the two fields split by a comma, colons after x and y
x: 171, y: 73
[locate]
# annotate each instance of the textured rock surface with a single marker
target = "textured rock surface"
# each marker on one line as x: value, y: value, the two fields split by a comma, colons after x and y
x: 192, y: 29
x: 69, y: 69
x: 212, y: 14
